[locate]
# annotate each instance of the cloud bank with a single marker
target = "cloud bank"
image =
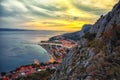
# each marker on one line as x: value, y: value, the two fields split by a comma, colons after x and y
x: 63, y: 15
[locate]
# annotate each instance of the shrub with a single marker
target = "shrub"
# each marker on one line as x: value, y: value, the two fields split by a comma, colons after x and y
x: 112, y: 33
x: 117, y: 49
x: 95, y: 43
x: 98, y: 45
x: 89, y: 36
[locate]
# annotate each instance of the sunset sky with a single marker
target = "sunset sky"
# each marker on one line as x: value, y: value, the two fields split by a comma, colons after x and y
x: 58, y: 15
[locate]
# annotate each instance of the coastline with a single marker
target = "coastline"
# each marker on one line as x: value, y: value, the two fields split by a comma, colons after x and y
x: 55, y: 49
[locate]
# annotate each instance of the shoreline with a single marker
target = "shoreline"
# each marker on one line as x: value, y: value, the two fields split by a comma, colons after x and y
x: 29, y: 69
x: 56, y: 50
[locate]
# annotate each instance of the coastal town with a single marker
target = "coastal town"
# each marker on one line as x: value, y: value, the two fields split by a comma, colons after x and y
x: 27, y: 70
x: 57, y: 50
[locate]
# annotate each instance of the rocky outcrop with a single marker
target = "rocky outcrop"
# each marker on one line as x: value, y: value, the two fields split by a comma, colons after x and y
x: 102, y: 24
x: 73, y: 36
x: 96, y: 58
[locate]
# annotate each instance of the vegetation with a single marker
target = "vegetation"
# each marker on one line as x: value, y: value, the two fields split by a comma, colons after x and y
x: 98, y: 44
x: 42, y: 75
x: 112, y: 34
x: 89, y: 36
x: 117, y: 49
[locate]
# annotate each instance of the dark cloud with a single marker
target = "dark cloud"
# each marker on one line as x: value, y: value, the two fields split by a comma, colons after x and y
x: 2, y: 1
x: 76, y: 18
x: 51, y: 7
x: 89, y: 9
x: 11, y: 11
x: 15, y: 12
x: 5, y: 13
x: 39, y: 14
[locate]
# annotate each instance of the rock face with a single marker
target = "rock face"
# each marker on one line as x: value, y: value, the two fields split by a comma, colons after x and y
x: 96, y: 58
x: 73, y: 36
x: 105, y: 22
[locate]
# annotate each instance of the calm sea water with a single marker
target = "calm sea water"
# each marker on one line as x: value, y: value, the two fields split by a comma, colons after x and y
x: 21, y: 47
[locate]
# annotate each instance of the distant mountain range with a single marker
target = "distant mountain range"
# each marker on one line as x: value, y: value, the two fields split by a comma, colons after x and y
x: 8, y: 29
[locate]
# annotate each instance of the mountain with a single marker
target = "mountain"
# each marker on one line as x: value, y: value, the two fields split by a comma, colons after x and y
x: 73, y: 36
x: 97, y: 56
x: 8, y: 29
x: 102, y: 24
x: 45, y: 31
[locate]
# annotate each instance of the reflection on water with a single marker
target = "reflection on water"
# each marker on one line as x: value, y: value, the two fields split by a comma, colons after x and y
x: 20, y: 48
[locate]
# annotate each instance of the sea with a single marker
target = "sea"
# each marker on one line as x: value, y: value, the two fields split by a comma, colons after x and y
x: 22, y: 47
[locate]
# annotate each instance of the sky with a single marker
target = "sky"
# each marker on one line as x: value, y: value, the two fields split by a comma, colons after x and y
x: 58, y: 15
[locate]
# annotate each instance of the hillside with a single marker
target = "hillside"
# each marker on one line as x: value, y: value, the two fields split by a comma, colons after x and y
x: 73, y: 36
x: 97, y: 56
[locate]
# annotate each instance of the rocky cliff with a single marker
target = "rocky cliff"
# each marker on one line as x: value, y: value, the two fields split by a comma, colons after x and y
x: 102, y: 24
x: 97, y: 56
